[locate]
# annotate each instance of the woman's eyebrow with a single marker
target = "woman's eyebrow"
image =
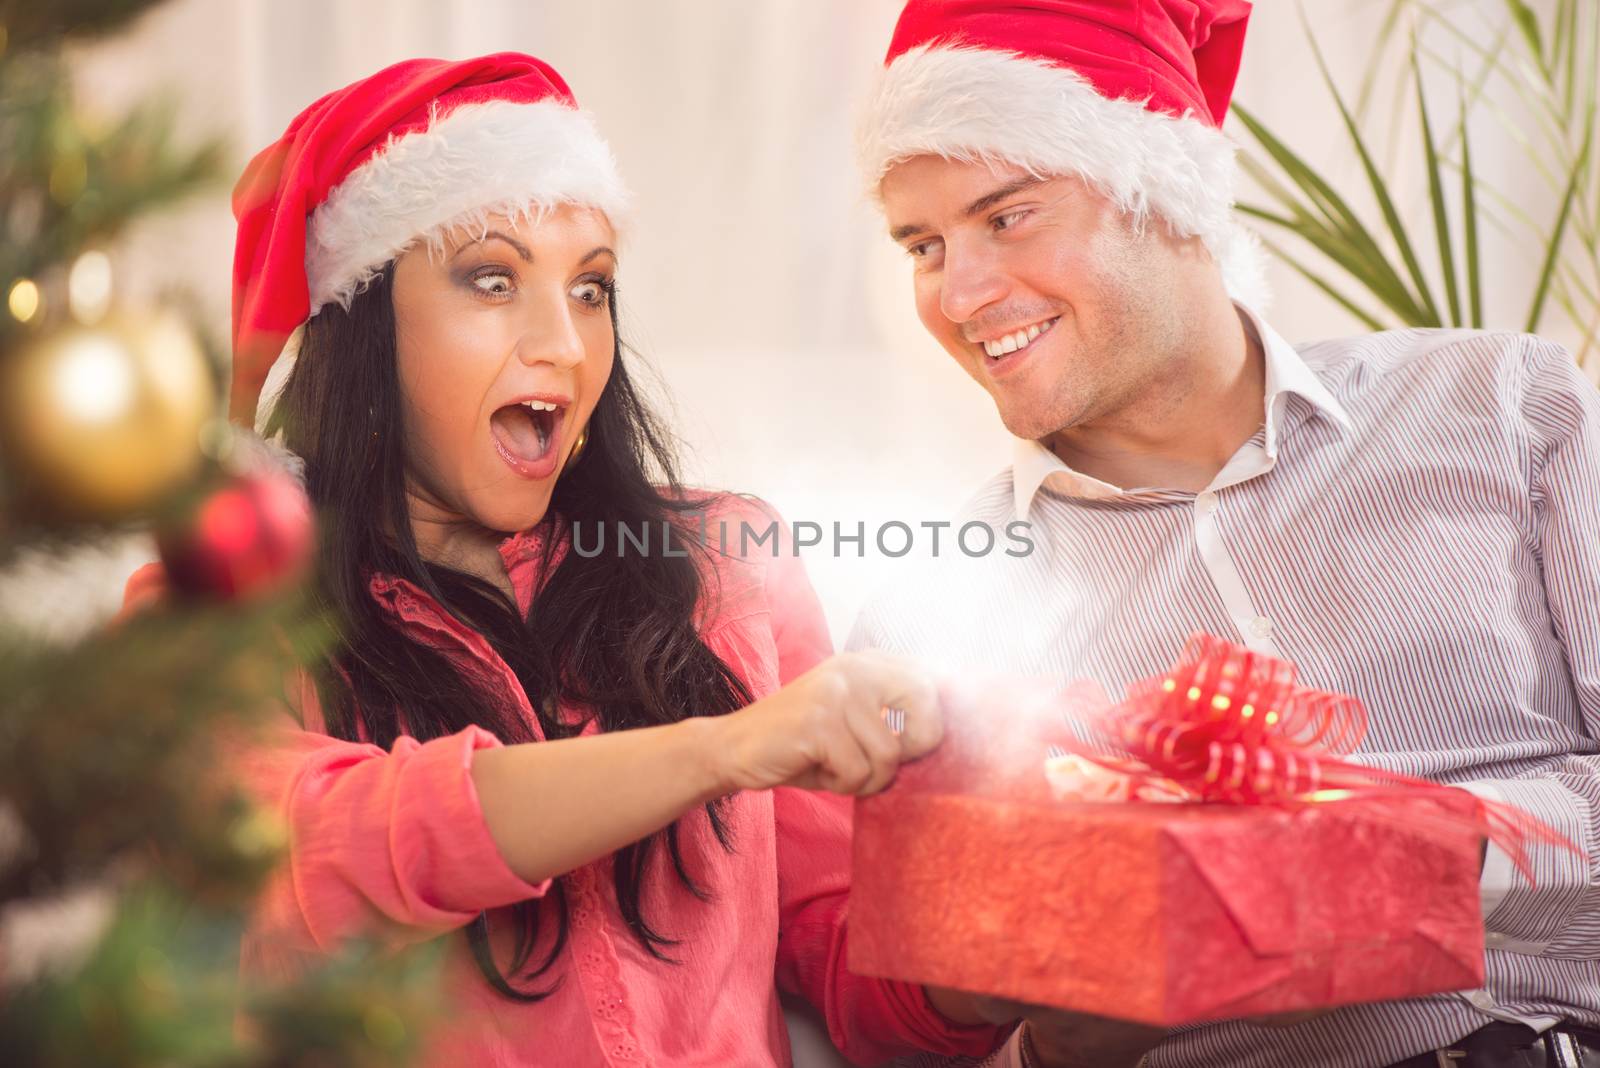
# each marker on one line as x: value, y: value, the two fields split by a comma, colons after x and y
x: 598, y: 250
x: 521, y: 249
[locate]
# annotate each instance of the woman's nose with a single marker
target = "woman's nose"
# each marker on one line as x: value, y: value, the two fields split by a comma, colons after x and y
x: 552, y: 337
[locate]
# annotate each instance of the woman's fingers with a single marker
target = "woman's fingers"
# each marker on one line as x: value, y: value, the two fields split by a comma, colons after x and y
x: 906, y: 699
x: 831, y: 728
x: 878, y: 743
x: 886, y: 711
x: 845, y: 768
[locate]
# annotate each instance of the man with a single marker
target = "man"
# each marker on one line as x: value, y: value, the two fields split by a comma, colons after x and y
x: 1411, y: 517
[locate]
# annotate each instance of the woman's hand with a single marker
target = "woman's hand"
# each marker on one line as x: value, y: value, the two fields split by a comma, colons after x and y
x: 824, y: 730
x: 828, y: 729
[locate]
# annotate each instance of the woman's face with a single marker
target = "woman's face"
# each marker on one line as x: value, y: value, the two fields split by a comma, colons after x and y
x: 504, y: 344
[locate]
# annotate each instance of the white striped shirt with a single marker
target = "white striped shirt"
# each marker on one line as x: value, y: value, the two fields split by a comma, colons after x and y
x: 1417, y: 523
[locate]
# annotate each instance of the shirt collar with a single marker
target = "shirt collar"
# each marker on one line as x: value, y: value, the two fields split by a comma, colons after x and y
x: 1286, y: 373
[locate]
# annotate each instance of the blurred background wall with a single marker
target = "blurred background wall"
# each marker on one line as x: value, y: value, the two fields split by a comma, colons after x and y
x: 758, y: 281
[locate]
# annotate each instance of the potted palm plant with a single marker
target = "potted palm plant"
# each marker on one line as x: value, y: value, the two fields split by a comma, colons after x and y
x: 1534, y: 70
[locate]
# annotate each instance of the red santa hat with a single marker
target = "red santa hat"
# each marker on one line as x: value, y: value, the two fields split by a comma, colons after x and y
x: 1128, y: 95
x: 409, y: 153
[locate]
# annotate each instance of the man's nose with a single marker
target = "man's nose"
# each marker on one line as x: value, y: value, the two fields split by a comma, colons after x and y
x: 971, y: 281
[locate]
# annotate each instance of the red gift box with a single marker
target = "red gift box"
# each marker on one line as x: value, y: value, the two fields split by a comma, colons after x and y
x: 970, y: 874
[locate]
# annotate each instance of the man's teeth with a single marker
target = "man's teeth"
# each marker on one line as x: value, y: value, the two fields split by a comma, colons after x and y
x: 1019, y: 340
x: 541, y: 406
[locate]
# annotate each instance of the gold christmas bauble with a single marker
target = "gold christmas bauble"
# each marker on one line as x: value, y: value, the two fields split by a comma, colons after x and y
x: 102, y: 423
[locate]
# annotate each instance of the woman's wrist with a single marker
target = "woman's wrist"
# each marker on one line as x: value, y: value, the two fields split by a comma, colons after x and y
x: 708, y: 746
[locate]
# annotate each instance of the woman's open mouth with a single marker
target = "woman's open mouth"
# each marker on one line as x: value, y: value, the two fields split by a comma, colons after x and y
x: 527, y: 435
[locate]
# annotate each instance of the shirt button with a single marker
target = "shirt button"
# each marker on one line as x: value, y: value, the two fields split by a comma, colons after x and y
x: 1494, y: 938
x: 1480, y: 999
x: 1261, y: 627
x: 1206, y: 502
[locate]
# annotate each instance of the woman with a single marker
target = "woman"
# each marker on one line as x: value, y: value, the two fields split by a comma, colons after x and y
x: 568, y: 757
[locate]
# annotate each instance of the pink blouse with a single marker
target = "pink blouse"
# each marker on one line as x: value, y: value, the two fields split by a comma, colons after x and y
x: 393, y: 844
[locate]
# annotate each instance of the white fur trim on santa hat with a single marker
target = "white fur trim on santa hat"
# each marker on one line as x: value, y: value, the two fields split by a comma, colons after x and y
x: 977, y: 105
x: 497, y: 157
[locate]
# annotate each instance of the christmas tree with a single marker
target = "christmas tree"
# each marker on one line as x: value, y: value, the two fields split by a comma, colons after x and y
x: 121, y: 834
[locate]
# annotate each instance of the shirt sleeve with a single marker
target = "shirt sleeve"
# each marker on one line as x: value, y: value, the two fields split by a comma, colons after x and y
x: 869, y: 1020
x: 387, y: 845
x: 1559, y: 913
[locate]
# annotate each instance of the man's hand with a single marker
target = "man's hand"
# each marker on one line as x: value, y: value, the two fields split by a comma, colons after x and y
x: 1061, y: 1039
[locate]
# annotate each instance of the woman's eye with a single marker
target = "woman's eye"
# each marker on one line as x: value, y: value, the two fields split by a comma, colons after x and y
x: 494, y: 283
x: 591, y: 292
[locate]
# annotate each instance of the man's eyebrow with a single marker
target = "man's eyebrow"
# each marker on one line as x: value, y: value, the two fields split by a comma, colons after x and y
x: 989, y: 200
x: 522, y: 250
x: 982, y: 204
x: 900, y: 233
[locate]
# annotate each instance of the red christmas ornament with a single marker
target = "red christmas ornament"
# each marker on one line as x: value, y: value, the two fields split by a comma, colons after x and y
x: 252, y: 536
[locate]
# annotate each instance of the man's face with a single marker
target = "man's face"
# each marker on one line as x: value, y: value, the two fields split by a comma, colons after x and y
x: 1041, y: 289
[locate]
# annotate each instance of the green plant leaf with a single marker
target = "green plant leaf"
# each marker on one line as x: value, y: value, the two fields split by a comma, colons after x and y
x: 1528, y: 23
x: 1386, y: 33
x: 1379, y: 189
x: 1567, y: 30
x: 1375, y: 270
x: 1553, y: 246
x: 1441, y: 218
x: 1317, y: 234
x: 1317, y: 190
x: 1534, y: 92
x: 1469, y: 225
x: 1488, y: 65
x: 1323, y: 284
x: 1582, y: 287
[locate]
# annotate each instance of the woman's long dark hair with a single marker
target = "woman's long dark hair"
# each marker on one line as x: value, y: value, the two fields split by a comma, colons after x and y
x: 611, y: 635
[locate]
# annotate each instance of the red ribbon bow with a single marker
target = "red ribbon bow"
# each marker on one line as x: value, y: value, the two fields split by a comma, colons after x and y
x: 1230, y: 725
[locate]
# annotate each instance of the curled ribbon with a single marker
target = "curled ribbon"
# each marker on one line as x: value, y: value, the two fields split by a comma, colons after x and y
x: 1233, y: 726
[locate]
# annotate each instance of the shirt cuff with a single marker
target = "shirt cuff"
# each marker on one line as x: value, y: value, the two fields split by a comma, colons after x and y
x: 451, y: 861
x: 1495, y: 883
x: 1520, y: 917
x: 1008, y: 1055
